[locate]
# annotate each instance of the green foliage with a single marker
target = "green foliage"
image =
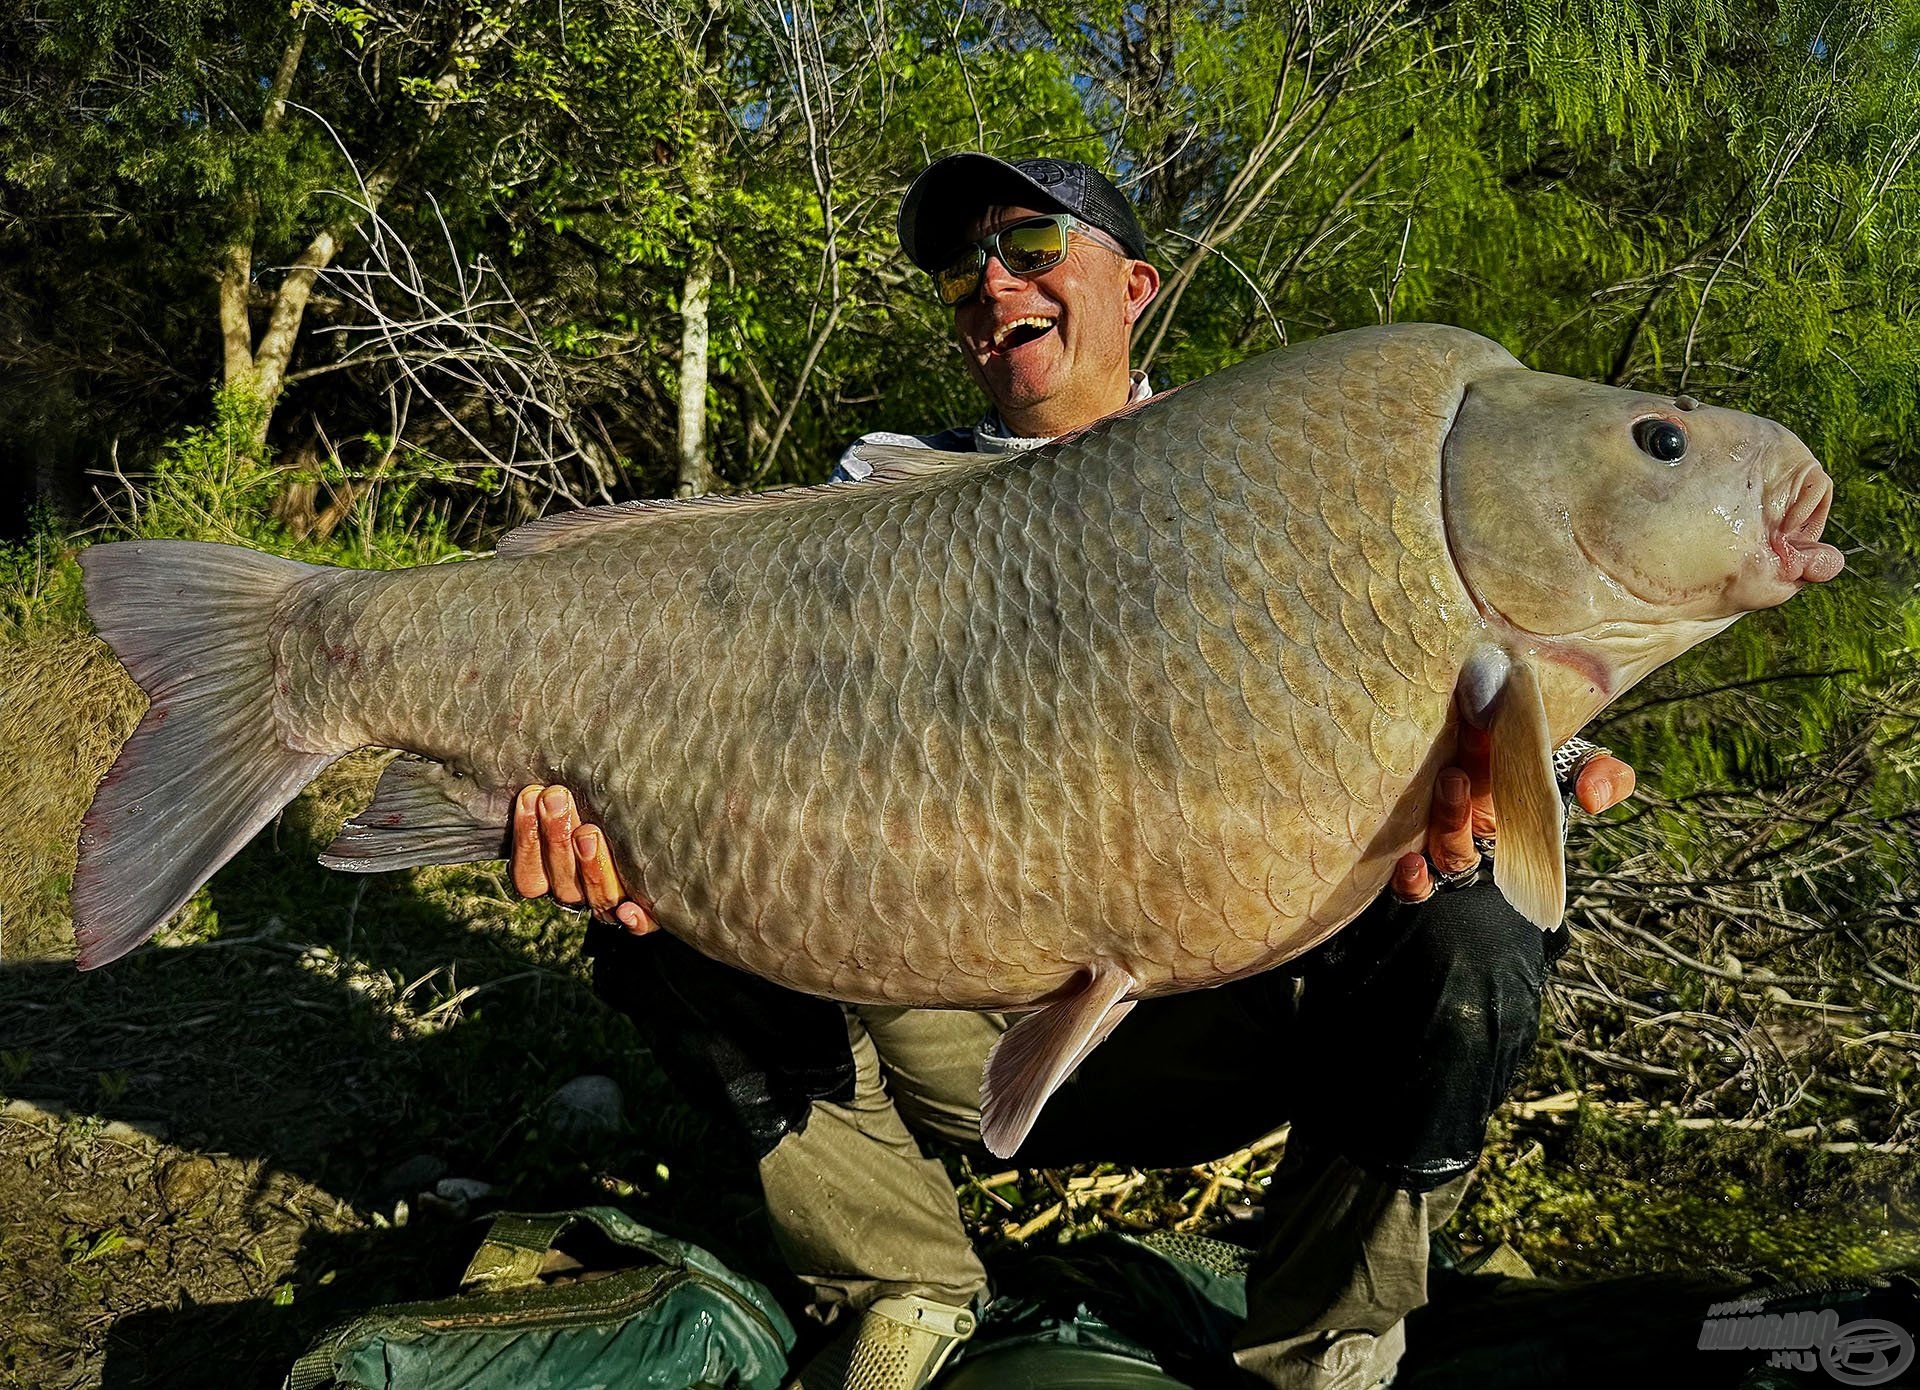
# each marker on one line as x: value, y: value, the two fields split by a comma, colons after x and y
x: 210, y: 482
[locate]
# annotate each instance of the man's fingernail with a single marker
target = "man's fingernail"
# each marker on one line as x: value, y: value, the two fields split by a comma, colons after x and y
x: 1602, y: 788
x: 554, y: 800
x: 1453, y: 784
x: 588, y: 843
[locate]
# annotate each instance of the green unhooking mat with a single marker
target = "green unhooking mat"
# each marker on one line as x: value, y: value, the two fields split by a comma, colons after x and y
x: 569, y: 1301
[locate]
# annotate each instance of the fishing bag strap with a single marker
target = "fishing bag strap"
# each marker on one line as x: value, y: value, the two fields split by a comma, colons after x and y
x: 313, y: 1369
x: 515, y: 1251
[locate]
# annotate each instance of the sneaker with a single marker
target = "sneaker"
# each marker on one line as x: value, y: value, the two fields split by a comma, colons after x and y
x: 896, y: 1344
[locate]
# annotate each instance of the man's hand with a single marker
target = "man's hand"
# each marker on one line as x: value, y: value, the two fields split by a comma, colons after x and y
x: 1463, y: 810
x: 552, y: 853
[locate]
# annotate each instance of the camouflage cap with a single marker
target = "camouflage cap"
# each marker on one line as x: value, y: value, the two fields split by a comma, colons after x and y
x: 951, y: 191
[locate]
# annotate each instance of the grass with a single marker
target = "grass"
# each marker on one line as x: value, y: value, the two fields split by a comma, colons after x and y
x: 65, y: 706
x: 1607, y: 1197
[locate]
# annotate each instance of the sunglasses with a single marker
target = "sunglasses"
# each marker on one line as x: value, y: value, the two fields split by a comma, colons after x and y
x: 1025, y: 248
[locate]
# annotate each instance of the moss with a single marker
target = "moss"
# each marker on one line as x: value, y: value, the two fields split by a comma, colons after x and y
x: 1616, y: 1196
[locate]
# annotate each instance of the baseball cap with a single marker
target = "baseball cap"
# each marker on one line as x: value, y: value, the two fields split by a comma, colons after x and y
x: 949, y: 192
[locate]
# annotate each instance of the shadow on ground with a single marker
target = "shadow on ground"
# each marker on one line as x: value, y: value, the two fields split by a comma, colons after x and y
x: 205, y: 1145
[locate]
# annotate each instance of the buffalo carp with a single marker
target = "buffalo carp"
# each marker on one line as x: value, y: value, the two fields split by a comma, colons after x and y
x: 1148, y: 709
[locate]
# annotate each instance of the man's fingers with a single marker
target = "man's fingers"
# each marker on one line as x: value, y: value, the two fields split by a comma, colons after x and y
x: 598, y: 877
x: 529, y: 874
x: 1605, y: 781
x: 635, y: 918
x: 1411, y: 882
x: 1475, y: 757
x: 556, y: 845
x: 1450, y: 823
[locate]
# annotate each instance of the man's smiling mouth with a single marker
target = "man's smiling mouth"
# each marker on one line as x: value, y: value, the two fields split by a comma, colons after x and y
x: 1019, y: 332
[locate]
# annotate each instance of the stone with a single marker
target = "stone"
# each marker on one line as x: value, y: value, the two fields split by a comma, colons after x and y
x: 414, y: 1174
x: 185, y: 1181
x: 586, y: 1105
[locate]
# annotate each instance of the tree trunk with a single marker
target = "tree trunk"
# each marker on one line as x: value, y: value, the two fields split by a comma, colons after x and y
x: 695, y: 476
x: 260, y: 368
x: 238, y: 365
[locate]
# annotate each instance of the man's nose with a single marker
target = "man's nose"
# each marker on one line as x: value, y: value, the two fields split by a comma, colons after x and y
x: 997, y: 280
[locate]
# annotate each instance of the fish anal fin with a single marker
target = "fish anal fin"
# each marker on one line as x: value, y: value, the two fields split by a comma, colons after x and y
x: 891, y: 464
x: 1040, y: 1051
x: 1529, y: 864
x: 422, y: 813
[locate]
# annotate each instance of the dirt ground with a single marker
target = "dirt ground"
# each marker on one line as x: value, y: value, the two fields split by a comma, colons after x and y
x: 220, y: 1145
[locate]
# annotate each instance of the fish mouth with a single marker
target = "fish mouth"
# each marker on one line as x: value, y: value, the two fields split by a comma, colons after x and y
x: 1794, y: 539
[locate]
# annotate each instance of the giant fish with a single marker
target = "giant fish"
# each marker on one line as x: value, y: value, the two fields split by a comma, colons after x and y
x: 1147, y: 709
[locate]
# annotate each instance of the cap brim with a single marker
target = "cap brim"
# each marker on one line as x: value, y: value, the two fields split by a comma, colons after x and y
x: 950, y: 192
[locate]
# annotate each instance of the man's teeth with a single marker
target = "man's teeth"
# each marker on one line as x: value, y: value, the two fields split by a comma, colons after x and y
x: 1007, y: 330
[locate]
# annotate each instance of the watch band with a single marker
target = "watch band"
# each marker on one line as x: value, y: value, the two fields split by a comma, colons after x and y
x: 1572, y: 756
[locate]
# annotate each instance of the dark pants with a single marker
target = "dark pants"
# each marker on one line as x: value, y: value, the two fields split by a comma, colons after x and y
x: 1389, y: 1044
x: 1387, y: 1048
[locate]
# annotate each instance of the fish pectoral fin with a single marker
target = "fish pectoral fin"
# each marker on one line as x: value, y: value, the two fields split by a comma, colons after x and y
x: 1529, y: 861
x: 1040, y: 1051
x: 422, y: 813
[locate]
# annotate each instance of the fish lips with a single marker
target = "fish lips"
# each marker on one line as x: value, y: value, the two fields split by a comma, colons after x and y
x: 1794, y: 540
x: 1794, y: 553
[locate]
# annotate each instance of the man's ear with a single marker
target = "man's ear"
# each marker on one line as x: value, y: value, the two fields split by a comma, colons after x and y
x: 1143, y: 283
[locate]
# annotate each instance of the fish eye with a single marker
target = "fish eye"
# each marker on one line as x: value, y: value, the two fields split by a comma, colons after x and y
x: 1662, y: 439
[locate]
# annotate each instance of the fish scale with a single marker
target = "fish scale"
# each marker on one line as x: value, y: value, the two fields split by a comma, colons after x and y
x: 976, y: 836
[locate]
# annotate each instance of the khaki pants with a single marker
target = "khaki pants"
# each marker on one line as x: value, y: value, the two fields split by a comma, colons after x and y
x: 861, y: 1213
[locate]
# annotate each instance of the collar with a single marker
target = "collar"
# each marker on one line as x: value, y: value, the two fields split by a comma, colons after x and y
x: 991, y: 436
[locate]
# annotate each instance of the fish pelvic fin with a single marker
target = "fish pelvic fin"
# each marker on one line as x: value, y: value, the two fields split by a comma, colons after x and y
x: 1529, y: 864
x: 423, y: 812
x: 207, y: 766
x: 1039, y: 1052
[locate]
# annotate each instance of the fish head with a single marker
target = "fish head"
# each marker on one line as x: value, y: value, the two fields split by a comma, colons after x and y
x: 1619, y: 528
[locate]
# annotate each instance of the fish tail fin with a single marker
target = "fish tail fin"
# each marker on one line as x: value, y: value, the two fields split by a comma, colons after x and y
x: 208, y: 764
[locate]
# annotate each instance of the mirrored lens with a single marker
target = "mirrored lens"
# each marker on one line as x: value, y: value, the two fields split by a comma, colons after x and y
x: 961, y: 278
x: 1029, y: 247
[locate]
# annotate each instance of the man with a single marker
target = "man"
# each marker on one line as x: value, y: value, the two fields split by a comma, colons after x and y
x: 1387, y: 1047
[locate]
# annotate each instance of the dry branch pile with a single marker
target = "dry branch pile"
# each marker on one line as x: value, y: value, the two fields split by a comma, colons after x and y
x: 1749, y: 955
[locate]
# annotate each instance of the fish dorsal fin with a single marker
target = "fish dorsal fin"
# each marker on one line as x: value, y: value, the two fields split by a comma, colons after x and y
x: 1034, y: 1056
x: 422, y: 813
x: 1529, y: 859
x: 892, y: 463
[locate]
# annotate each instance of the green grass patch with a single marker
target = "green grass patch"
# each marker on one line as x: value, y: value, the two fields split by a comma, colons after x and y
x: 1612, y: 1196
